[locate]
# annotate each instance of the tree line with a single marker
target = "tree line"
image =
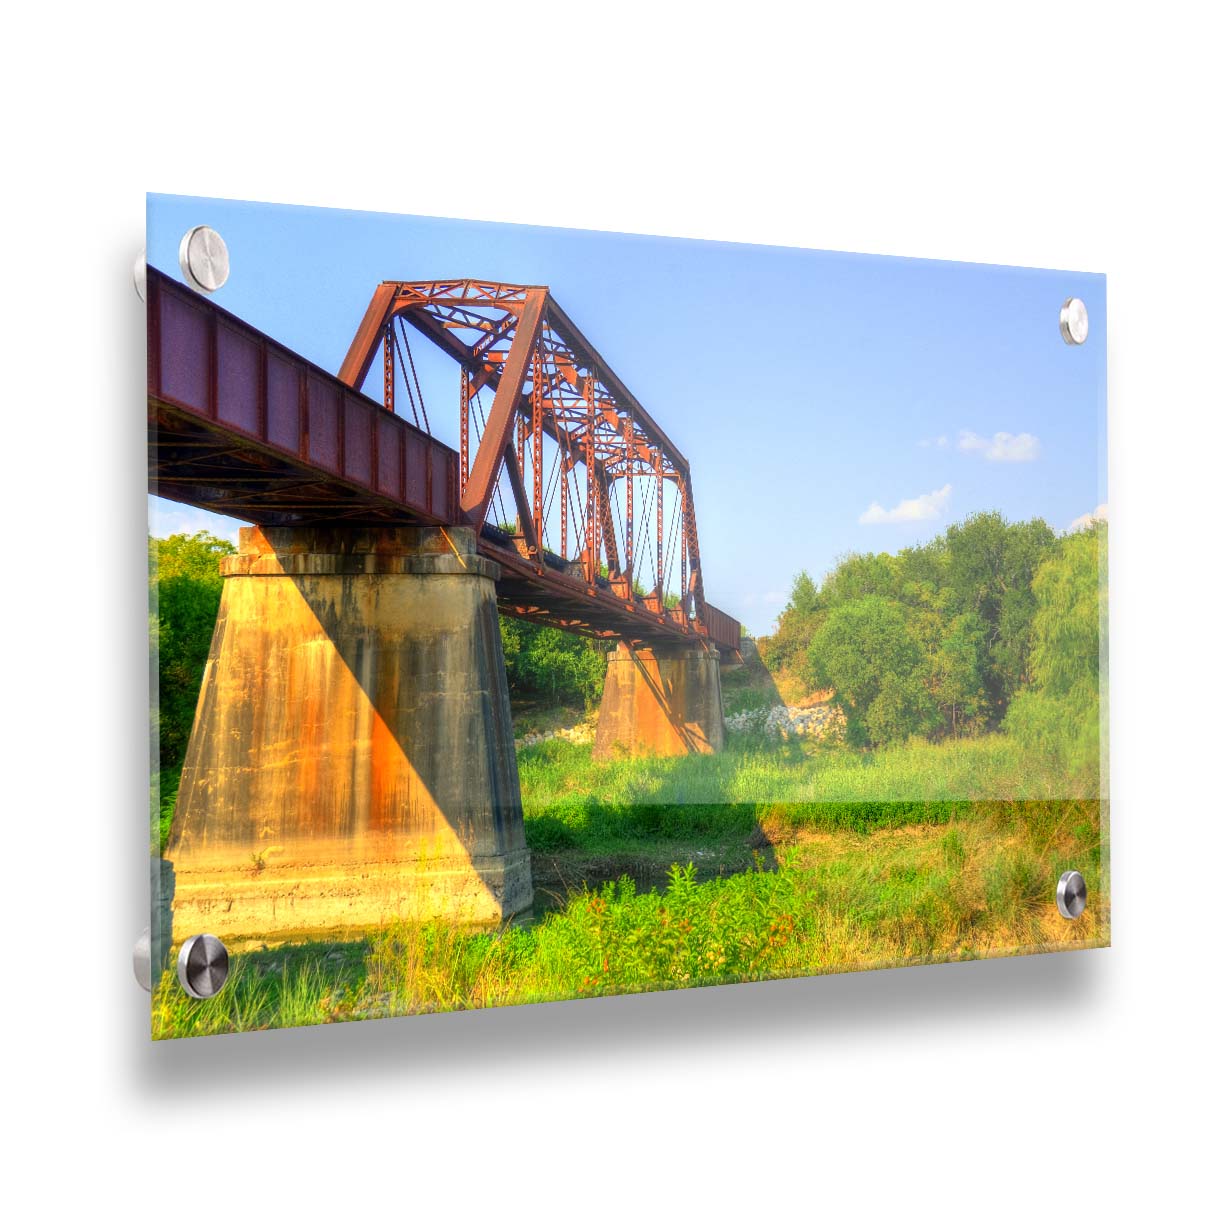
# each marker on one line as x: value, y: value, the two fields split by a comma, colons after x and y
x: 990, y: 625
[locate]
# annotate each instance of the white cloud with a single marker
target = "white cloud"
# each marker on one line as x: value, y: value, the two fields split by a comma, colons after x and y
x: 940, y: 443
x: 1003, y: 447
x: 911, y: 510
x: 1099, y: 515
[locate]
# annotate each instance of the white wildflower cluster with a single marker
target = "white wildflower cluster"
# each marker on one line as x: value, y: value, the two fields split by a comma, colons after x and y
x: 823, y: 721
x: 583, y: 733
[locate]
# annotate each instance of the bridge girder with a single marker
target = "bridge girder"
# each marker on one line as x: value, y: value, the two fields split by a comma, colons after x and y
x: 550, y: 379
x: 241, y: 425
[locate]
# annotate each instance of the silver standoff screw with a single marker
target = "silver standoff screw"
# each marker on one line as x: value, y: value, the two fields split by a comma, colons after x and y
x: 204, y: 259
x: 203, y: 966
x: 1072, y: 894
x: 1073, y: 321
x: 142, y: 960
x: 140, y: 273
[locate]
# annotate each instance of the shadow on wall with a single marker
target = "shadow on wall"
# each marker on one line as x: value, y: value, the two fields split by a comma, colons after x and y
x: 352, y: 758
x: 747, y: 682
x: 661, y: 700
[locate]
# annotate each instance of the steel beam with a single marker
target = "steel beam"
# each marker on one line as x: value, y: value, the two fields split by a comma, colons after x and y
x: 474, y: 504
x: 241, y: 424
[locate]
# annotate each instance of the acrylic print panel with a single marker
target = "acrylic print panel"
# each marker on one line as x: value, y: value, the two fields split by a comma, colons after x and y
x: 544, y: 614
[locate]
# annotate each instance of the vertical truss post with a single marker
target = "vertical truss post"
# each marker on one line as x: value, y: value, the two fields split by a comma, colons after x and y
x: 597, y: 535
x: 388, y: 369
x: 629, y: 520
x: 537, y: 446
x: 685, y: 602
x: 658, y: 466
x: 564, y: 507
x: 465, y: 412
x: 592, y: 515
x: 520, y: 450
x: 607, y: 527
x: 696, y: 586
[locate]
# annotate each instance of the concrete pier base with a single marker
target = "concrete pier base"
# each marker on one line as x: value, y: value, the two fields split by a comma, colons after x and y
x: 664, y: 701
x: 352, y: 758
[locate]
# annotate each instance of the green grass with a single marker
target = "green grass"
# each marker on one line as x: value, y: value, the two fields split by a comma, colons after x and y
x: 919, y: 853
x: 981, y: 885
x: 572, y: 802
x: 287, y: 987
x: 749, y: 687
x: 163, y: 792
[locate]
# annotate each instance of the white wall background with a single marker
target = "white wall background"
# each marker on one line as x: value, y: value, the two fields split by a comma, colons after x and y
x: 1072, y: 135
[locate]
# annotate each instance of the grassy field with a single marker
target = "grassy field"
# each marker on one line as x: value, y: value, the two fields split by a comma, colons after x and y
x: 821, y: 860
x: 574, y: 803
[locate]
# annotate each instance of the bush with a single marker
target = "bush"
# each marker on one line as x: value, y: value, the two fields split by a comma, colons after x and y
x: 1059, y: 713
x: 543, y: 662
x: 933, y: 641
x: 184, y: 595
x: 902, y: 708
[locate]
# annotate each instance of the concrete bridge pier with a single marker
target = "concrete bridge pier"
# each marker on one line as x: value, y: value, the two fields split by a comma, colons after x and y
x: 661, y: 700
x: 352, y: 757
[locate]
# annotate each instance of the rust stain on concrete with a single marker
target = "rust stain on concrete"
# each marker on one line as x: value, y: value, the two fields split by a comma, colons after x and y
x: 352, y: 757
x: 666, y: 702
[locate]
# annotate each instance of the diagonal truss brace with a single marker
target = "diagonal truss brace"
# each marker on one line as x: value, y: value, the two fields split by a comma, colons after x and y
x: 474, y: 504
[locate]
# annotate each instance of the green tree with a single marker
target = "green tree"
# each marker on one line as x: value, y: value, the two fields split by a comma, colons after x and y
x: 547, y: 663
x: 858, y: 575
x: 804, y: 596
x: 1059, y: 711
x: 991, y: 564
x: 184, y: 595
x: 962, y: 607
x: 957, y: 675
x: 866, y: 651
x: 786, y: 649
x: 903, y: 707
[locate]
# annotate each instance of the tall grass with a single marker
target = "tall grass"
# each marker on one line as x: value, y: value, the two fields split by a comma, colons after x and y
x: 918, y: 853
x: 163, y: 794
x: 571, y: 801
x: 286, y: 988
x: 981, y: 885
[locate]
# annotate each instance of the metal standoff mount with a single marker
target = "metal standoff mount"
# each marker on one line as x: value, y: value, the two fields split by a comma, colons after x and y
x: 142, y: 961
x: 203, y: 966
x: 1072, y: 895
x: 1073, y: 321
x: 204, y: 259
x: 140, y: 274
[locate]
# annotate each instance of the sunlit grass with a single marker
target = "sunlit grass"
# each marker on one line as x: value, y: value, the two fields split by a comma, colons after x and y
x: 980, y: 885
x: 571, y: 801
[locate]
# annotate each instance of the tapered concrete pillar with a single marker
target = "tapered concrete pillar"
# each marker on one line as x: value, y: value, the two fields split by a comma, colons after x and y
x: 665, y: 701
x: 352, y: 757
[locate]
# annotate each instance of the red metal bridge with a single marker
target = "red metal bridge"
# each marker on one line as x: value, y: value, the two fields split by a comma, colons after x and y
x: 240, y: 425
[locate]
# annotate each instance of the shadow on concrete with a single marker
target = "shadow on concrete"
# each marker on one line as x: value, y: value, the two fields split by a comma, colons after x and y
x: 352, y: 754
x: 748, y: 684
x: 666, y: 694
x: 680, y: 812
x: 451, y: 705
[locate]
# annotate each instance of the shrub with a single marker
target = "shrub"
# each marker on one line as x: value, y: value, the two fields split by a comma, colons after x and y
x: 184, y: 595
x: 543, y: 662
x: 1059, y: 713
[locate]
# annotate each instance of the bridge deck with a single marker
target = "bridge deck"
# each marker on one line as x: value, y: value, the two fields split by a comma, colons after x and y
x: 243, y: 426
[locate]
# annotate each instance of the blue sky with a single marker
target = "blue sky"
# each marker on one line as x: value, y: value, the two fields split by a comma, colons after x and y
x: 827, y: 403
